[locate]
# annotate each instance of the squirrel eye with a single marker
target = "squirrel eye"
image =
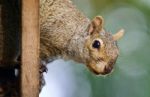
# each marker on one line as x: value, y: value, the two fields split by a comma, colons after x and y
x: 96, y: 44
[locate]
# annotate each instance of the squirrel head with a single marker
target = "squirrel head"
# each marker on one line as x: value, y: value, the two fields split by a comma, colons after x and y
x: 102, y: 47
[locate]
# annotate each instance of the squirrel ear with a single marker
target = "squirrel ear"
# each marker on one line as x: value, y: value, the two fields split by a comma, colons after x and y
x: 118, y: 35
x: 96, y: 24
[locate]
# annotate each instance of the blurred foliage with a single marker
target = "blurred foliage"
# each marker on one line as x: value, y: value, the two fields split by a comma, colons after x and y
x: 131, y: 76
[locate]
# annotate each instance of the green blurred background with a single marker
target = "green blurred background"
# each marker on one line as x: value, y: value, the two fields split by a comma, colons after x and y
x: 131, y: 76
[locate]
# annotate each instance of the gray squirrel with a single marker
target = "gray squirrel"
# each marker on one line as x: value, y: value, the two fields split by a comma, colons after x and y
x: 67, y: 33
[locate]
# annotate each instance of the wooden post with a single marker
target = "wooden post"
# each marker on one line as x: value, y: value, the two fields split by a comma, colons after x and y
x: 30, y: 48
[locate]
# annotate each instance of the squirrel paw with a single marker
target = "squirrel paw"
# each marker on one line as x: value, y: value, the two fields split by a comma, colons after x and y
x: 43, y: 69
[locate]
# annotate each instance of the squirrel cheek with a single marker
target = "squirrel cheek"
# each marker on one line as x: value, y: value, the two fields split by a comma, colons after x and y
x: 99, y: 68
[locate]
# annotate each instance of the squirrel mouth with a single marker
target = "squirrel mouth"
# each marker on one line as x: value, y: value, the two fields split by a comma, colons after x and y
x: 101, y: 68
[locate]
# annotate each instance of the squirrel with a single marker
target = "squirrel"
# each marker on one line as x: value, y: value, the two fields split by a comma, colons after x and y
x: 67, y: 33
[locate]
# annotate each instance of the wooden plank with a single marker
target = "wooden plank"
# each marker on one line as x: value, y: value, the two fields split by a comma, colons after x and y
x: 30, y: 48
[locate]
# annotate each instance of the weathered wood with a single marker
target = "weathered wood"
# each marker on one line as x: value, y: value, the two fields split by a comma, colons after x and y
x: 30, y: 48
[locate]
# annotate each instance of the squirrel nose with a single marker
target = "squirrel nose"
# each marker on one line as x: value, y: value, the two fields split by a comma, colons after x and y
x: 107, y: 70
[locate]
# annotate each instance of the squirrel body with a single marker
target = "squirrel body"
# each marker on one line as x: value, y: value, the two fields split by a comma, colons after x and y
x: 67, y: 33
x: 62, y: 29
